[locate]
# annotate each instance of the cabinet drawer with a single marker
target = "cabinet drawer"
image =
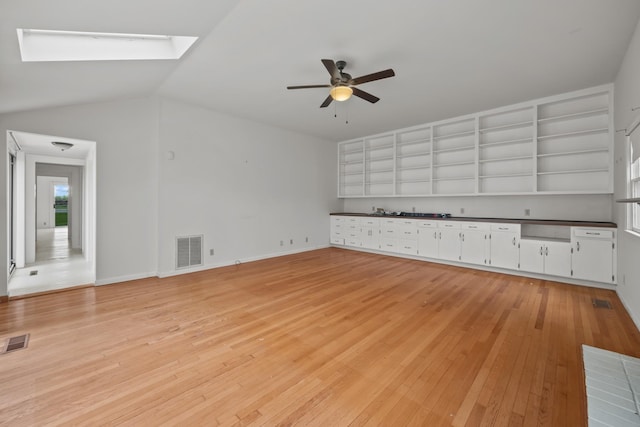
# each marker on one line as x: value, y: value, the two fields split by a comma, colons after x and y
x: 337, y: 220
x: 408, y: 233
x: 408, y: 246
x: 427, y: 224
x: 338, y: 234
x: 390, y: 245
x: 593, y: 233
x: 451, y: 224
x: 475, y: 226
x: 353, y: 242
x: 353, y: 221
x: 389, y: 232
x: 370, y: 222
x: 513, y: 228
x: 352, y: 227
x: 337, y: 240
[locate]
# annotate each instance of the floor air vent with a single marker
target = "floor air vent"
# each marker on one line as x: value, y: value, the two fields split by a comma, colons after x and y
x: 601, y: 303
x: 16, y: 343
x: 33, y: 273
x: 188, y: 251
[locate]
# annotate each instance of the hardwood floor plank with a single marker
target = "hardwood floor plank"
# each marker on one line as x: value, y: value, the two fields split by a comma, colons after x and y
x: 328, y: 337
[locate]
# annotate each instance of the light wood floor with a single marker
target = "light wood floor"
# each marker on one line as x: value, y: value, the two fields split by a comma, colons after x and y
x: 324, y: 338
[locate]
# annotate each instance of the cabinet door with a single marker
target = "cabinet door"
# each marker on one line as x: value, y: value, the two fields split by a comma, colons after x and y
x: 428, y: 242
x: 504, y: 250
x: 592, y: 259
x: 532, y: 256
x: 370, y: 237
x: 449, y: 244
x: 473, y: 246
x: 557, y: 259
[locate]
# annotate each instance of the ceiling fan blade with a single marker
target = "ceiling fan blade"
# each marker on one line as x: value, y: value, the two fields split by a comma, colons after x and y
x: 375, y: 76
x: 307, y: 86
x: 365, y: 95
x: 326, y: 102
x: 330, y: 65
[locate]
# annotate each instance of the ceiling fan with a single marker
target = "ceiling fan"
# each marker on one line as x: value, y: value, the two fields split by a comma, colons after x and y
x: 343, y: 85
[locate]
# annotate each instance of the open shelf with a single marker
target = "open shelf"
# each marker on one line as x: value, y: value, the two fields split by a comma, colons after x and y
x: 577, y: 133
x: 454, y: 135
x: 574, y: 115
x: 511, y: 141
x: 557, y: 145
x: 455, y: 178
x: 408, y: 168
x: 504, y: 159
x: 421, y: 153
x: 447, y: 150
x: 569, y: 153
x: 454, y: 164
x: 506, y: 175
x: 416, y: 142
x: 562, y: 172
x: 508, y: 126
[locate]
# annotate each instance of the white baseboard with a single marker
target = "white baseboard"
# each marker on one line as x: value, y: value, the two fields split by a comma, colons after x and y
x: 111, y: 280
x: 227, y: 263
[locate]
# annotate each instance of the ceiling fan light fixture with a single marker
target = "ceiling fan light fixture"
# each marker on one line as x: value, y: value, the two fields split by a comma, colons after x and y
x: 62, y: 145
x: 341, y: 93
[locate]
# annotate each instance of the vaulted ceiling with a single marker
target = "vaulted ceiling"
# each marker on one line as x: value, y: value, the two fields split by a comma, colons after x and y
x: 450, y: 57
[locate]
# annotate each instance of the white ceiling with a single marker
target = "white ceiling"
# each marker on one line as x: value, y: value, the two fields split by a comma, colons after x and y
x: 450, y: 57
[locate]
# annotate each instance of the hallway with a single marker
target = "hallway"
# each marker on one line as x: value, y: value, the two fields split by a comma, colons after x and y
x: 57, y: 266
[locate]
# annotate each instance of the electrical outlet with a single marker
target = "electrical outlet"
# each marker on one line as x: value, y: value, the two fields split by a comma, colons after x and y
x: 373, y: 208
x: 306, y: 239
x: 211, y: 252
x: 527, y: 212
x: 281, y: 242
x: 413, y: 209
x: 461, y: 210
x: 291, y: 241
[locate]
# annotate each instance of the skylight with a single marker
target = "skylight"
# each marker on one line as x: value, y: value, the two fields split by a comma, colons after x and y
x: 50, y: 45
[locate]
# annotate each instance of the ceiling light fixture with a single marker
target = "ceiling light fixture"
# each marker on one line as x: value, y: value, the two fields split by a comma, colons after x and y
x: 341, y: 93
x: 62, y: 145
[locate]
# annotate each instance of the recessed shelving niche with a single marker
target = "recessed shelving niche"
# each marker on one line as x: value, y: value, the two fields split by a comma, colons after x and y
x: 556, y: 145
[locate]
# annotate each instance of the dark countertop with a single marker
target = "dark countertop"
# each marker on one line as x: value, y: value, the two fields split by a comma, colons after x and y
x: 502, y: 220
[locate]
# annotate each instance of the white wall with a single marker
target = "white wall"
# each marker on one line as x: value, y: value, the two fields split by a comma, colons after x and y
x: 572, y: 207
x: 627, y: 96
x: 126, y: 137
x: 243, y: 185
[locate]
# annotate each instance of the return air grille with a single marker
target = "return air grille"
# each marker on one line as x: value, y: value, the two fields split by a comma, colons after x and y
x: 188, y: 251
x: 16, y: 343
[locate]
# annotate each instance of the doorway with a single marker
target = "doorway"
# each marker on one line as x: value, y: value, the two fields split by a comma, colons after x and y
x: 54, y: 219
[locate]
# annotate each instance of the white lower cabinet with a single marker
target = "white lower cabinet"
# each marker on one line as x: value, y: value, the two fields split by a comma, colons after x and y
x: 427, y: 238
x: 503, y: 241
x: 589, y: 253
x: 594, y: 254
x: 337, y: 230
x: 474, y: 243
x: 449, y: 240
x: 370, y: 233
x: 408, y: 236
x: 546, y: 257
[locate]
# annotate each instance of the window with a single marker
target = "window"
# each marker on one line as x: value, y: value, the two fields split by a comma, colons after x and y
x: 634, y: 178
x: 52, y: 45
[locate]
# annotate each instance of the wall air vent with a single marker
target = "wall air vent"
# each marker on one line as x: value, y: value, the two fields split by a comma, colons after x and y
x: 188, y: 251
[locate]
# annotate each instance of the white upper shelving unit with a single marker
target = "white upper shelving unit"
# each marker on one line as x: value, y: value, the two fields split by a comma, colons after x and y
x: 556, y: 145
